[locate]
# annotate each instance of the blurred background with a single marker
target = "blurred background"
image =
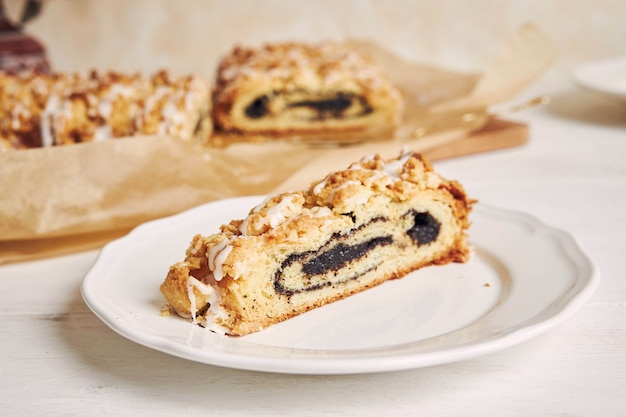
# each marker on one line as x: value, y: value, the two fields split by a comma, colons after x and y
x: 191, y: 35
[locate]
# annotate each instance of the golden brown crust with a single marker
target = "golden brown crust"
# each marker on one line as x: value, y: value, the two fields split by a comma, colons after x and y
x: 247, y: 277
x: 291, y: 74
x: 23, y: 98
x: 47, y: 110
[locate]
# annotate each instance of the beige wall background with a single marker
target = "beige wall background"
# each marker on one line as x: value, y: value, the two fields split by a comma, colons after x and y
x: 190, y: 35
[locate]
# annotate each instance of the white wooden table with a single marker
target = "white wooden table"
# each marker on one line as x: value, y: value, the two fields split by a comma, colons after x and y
x: 59, y: 359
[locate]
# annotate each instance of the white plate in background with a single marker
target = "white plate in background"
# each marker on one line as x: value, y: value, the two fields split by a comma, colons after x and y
x: 606, y: 76
x: 524, y: 278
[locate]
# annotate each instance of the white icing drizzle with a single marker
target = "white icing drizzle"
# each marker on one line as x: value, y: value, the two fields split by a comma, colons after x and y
x: 433, y: 180
x: 215, y: 311
x: 258, y: 207
x: 390, y: 172
x: 216, y: 256
x: 320, y: 211
x: 159, y: 93
x: 274, y: 216
x: 102, y: 133
x: 191, y: 283
x: 360, y: 198
x: 394, y: 168
x: 320, y: 186
x: 122, y: 90
x: 172, y: 118
x: 211, y: 317
x: 244, y: 225
x: 18, y: 111
x: 52, y: 104
x: 377, y: 175
x: 105, y: 108
x: 368, y: 158
x: 190, y: 100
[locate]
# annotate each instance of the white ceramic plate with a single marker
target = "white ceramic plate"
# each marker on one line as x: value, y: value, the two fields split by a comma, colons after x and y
x: 524, y: 278
x: 605, y: 76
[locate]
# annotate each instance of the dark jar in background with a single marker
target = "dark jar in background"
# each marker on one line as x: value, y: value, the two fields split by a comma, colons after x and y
x: 20, y: 52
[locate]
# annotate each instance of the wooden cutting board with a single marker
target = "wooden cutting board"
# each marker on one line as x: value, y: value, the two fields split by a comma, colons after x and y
x: 496, y: 134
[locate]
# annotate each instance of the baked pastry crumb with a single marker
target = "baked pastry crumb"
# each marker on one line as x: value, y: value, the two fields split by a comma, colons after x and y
x: 39, y: 110
x: 354, y: 229
x: 295, y: 87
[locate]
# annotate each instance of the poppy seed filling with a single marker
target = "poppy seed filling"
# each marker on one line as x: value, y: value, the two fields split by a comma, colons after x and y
x: 336, y: 106
x: 425, y: 228
x: 318, y: 269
